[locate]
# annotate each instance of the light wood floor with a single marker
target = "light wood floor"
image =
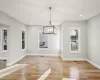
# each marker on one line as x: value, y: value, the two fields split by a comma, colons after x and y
x: 59, y: 69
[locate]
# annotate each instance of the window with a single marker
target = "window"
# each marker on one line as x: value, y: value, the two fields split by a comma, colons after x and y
x: 74, y: 41
x: 4, y: 39
x: 23, y: 40
x: 43, y: 40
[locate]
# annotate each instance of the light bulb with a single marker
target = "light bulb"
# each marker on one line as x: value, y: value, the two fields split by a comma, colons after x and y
x: 81, y: 15
x: 48, y: 29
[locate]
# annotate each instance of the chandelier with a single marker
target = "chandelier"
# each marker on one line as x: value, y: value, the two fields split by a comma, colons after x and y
x: 49, y: 29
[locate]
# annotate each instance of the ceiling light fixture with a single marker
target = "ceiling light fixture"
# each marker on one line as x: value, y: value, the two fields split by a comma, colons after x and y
x: 49, y: 29
x: 81, y: 15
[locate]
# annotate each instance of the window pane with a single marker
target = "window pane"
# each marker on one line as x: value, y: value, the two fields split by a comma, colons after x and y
x: 74, y: 45
x: 23, y: 39
x: 4, y: 39
x: 43, y: 40
x: 74, y: 35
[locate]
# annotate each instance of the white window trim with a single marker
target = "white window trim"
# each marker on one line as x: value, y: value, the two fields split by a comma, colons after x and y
x: 25, y: 41
x: 78, y: 41
x: 2, y: 40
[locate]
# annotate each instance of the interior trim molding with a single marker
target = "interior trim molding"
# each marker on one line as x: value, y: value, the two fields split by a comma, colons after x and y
x: 94, y: 64
x: 74, y: 59
x: 9, y: 64
x: 3, y: 58
x: 43, y: 54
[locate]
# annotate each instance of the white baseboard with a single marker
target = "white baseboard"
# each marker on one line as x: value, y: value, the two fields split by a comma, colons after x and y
x: 74, y: 59
x: 94, y: 64
x: 3, y: 58
x: 43, y: 54
x: 61, y: 55
x: 9, y: 64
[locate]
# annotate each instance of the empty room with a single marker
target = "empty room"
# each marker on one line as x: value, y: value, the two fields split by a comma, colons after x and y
x: 49, y: 39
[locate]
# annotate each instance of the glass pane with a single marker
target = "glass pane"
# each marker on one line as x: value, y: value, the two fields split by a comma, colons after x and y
x: 74, y: 45
x: 23, y: 39
x: 74, y: 34
x: 43, y: 40
x: 4, y: 39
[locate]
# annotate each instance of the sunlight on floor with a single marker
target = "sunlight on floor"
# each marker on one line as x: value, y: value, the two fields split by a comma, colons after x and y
x: 46, y: 74
x: 68, y: 79
x: 74, y: 73
x: 9, y: 70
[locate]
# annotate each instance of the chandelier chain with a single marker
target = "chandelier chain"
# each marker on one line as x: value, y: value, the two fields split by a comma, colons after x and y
x: 50, y: 15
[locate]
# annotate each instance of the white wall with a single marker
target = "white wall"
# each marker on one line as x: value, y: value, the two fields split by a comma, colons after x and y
x: 53, y: 42
x: 65, y: 40
x: 93, y: 28
x: 14, y: 37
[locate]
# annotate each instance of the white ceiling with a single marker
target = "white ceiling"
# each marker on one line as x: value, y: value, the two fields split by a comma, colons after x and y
x: 36, y: 12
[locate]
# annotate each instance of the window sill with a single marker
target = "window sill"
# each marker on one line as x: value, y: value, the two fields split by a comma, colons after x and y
x: 4, y: 51
x: 75, y: 52
x: 23, y: 49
